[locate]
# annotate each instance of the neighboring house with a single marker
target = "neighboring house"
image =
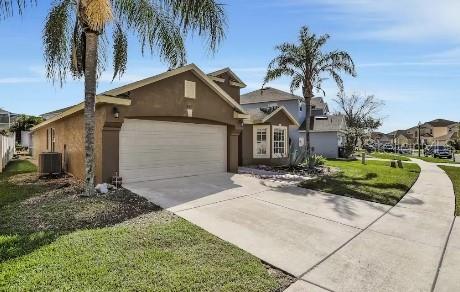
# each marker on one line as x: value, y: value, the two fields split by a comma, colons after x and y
x: 265, y: 138
x: 426, y: 139
x: 272, y: 97
x: 378, y: 138
x: 327, y: 134
x: 401, y: 138
x: 439, y: 132
x: 178, y: 123
x: 6, y: 119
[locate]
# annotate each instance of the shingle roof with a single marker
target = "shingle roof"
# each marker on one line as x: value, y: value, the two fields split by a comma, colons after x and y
x: 256, y: 114
x: 325, y: 123
x: 52, y: 114
x: 261, y: 115
x: 268, y: 94
x: 440, y: 123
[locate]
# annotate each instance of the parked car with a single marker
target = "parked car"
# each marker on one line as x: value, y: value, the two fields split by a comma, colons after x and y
x: 369, y: 148
x: 404, y: 150
x: 442, y: 152
x: 388, y: 148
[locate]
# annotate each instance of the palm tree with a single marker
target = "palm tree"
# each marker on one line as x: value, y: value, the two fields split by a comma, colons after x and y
x: 74, y: 27
x: 7, y: 7
x: 306, y: 64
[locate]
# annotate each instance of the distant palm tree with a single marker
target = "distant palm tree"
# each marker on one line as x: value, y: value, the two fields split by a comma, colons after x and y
x: 305, y: 63
x: 73, y: 28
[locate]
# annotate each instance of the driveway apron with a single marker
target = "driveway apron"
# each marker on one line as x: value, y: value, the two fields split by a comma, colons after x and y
x: 328, y: 242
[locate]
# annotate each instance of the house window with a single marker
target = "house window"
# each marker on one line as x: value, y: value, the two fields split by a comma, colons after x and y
x: 279, y: 141
x: 261, y: 141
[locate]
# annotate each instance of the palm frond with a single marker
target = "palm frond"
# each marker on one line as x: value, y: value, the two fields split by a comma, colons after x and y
x: 155, y: 27
x: 78, y: 45
x: 56, y: 41
x: 120, y: 52
x: 7, y: 7
x: 296, y: 82
x: 206, y: 17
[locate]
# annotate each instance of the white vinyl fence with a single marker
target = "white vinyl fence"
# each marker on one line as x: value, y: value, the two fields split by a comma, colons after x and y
x: 7, y: 147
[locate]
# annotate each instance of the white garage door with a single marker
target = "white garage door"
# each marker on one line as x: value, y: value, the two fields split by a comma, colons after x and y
x: 151, y: 150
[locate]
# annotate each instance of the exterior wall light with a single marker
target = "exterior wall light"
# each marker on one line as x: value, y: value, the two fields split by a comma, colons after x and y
x: 116, y: 113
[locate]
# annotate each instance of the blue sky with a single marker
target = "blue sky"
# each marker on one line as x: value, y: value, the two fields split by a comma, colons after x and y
x: 407, y: 53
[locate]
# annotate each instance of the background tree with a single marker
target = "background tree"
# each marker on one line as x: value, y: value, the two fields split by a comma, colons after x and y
x: 361, y: 117
x: 24, y: 123
x: 74, y: 27
x: 306, y: 63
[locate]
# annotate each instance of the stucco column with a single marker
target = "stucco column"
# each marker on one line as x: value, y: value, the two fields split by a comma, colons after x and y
x: 110, y: 150
x: 232, y: 148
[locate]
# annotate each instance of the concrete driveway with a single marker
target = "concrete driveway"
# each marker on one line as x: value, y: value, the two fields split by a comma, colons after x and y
x: 329, y: 242
x: 289, y: 227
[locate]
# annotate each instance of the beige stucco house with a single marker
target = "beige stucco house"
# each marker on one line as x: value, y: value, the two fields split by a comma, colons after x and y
x: 178, y: 123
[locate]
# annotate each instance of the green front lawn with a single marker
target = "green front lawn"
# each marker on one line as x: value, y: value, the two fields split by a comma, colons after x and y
x: 376, y: 181
x: 389, y: 156
x: 10, y: 192
x: 53, y: 239
x: 454, y: 174
x: 435, y: 160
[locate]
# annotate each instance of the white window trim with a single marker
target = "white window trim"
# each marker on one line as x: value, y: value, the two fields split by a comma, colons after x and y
x: 277, y: 155
x: 254, y: 140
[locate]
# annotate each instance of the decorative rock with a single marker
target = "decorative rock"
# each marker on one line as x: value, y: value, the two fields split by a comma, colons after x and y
x: 102, y: 188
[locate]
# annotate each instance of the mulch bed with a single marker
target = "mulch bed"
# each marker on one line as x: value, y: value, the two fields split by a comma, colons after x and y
x: 62, y: 207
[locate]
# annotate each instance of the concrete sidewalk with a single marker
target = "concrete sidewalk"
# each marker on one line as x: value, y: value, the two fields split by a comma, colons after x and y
x: 402, y: 250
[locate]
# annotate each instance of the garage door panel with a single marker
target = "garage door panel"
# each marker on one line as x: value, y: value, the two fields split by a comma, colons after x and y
x: 143, y: 163
x: 151, y: 150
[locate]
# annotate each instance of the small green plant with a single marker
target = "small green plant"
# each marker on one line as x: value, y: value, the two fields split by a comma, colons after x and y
x: 315, y: 161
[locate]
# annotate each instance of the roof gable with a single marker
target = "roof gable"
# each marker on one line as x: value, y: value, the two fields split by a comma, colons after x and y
x: 234, y: 79
x: 257, y: 116
x: 193, y: 68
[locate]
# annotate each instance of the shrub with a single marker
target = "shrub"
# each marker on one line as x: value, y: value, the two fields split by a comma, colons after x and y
x: 315, y: 161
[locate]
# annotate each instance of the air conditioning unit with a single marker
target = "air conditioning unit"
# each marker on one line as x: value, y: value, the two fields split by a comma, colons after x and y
x: 50, y: 163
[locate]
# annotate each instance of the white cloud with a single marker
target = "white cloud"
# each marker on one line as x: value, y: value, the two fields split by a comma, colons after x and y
x: 396, y: 20
x: 450, y: 56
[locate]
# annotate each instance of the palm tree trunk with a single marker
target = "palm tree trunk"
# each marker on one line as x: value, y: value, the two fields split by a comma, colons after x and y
x: 90, y: 108
x: 307, y: 95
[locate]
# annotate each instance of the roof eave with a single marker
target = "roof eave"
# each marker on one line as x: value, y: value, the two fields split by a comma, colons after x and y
x: 100, y: 99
